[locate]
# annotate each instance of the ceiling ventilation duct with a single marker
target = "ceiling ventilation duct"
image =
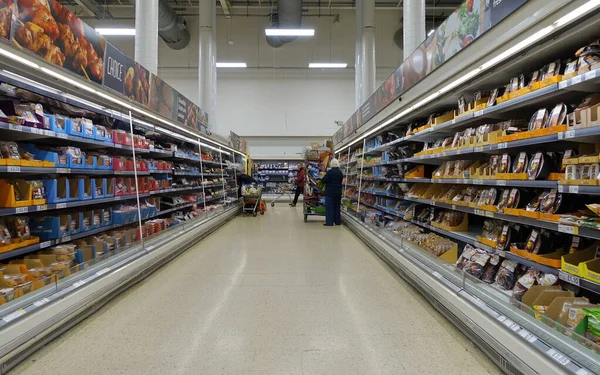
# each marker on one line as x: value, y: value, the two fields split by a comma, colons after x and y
x: 288, y: 16
x: 172, y: 28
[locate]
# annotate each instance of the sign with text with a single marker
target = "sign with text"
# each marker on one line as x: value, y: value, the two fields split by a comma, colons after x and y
x: 114, y: 69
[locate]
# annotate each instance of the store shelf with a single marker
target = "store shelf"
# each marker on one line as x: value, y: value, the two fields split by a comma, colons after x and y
x: 439, y: 281
x: 383, y: 194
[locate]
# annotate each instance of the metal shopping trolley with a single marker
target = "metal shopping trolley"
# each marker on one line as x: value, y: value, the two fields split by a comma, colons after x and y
x: 251, y: 197
x: 286, y: 189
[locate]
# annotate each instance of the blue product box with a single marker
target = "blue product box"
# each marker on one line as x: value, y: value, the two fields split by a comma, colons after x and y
x: 103, y: 134
x: 76, y: 222
x: 99, y: 188
x: 89, y: 130
x: 56, y: 123
x: 89, y: 162
x: 57, y: 190
x: 75, y: 127
x: 48, y: 156
x: 81, y: 188
x: 49, y: 227
x: 87, y: 220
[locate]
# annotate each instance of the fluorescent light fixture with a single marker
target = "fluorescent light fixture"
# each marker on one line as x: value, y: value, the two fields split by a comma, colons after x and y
x: 571, y: 16
x: 327, y: 65
x: 231, y: 65
x: 430, y: 32
x: 19, y: 59
x: 290, y: 32
x: 115, y: 31
x: 68, y: 80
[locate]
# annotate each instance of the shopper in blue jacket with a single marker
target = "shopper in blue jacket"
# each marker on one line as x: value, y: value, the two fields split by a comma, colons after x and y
x: 333, y: 194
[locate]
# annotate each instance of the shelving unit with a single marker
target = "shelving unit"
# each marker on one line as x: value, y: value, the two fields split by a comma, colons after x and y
x: 399, y: 182
x: 153, y: 200
x: 275, y: 176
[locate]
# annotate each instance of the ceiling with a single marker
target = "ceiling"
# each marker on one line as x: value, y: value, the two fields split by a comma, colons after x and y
x: 101, y: 8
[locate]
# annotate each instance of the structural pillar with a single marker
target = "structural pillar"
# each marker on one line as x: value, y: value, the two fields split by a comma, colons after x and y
x: 146, y: 34
x: 358, y: 58
x: 207, y: 66
x: 414, y: 25
x: 365, y: 16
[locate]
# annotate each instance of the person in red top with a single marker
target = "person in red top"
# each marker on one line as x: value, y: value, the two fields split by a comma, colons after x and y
x: 300, y: 177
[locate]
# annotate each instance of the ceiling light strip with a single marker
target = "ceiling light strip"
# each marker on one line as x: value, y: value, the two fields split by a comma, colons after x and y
x: 290, y: 32
x: 566, y: 19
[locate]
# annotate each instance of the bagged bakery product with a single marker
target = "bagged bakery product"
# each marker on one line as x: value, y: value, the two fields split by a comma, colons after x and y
x: 523, y: 284
x: 477, y: 263
x: 539, y: 167
x: 538, y: 120
x: 558, y: 115
x: 491, y: 268
x: 520, y: 163
x: 504, y: 238
x: 534, y: 242
x: 546, y: 279
x: 505, y: 278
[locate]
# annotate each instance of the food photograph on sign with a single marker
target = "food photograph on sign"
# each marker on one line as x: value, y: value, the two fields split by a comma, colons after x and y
x: 137, y: 82
x: 6, y: 11
x: 163, y: 97
x: 51, y: 31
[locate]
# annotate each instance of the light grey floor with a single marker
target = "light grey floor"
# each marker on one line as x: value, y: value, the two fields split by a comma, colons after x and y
x: 267, y: 295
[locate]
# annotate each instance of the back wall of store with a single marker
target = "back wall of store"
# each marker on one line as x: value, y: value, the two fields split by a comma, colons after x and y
x: 277, y: 95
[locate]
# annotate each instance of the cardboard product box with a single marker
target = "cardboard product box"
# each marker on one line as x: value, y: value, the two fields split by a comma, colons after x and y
x: 543, y: 300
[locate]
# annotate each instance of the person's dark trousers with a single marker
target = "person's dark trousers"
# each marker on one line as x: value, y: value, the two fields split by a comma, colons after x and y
x: 333, y: 208
x: 299, y: 190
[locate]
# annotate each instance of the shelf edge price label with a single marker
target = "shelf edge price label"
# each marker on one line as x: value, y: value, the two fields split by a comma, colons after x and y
x: 15, y: 127
x: 502, y: 145
x: 571, y: 279
x: 568, y: 229
x: 489, y: 214
x: 12, y: 168
x: 478, y: 149
x: 527, y: 336
x: 478, y: 113
x: 41, y: 207
x: 570, y: 134
x: 558, y: 357
x: 45, y: 244
x: 14, y: 315
x: 61, y: 205
x: 501, y: 182
x: 22, y: 210
x: 41, y: 302
x: 590, y: 75
x: 574, y: 189
x: 63, y: 170
x: 477, y: 182
x: 576, y: 79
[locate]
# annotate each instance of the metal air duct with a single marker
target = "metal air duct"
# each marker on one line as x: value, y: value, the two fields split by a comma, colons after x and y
x: 172, y: 28
x: 288, y: 16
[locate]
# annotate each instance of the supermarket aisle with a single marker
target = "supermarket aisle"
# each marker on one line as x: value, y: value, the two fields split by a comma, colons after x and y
x: 266, y: 295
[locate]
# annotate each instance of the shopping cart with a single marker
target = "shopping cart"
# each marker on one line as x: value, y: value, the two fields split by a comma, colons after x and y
x: 251, y: 197
x: 286, y: 189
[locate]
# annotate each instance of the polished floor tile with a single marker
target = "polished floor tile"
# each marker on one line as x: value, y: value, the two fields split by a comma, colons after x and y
x: 266, y: 295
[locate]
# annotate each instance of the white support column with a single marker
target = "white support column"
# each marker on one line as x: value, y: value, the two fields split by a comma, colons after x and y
x: 364, y: 56
x: 358, y: 58
x: 413, y: 24
x: 146, y: 34
x: 368, y: 48
x: 207, y: 67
